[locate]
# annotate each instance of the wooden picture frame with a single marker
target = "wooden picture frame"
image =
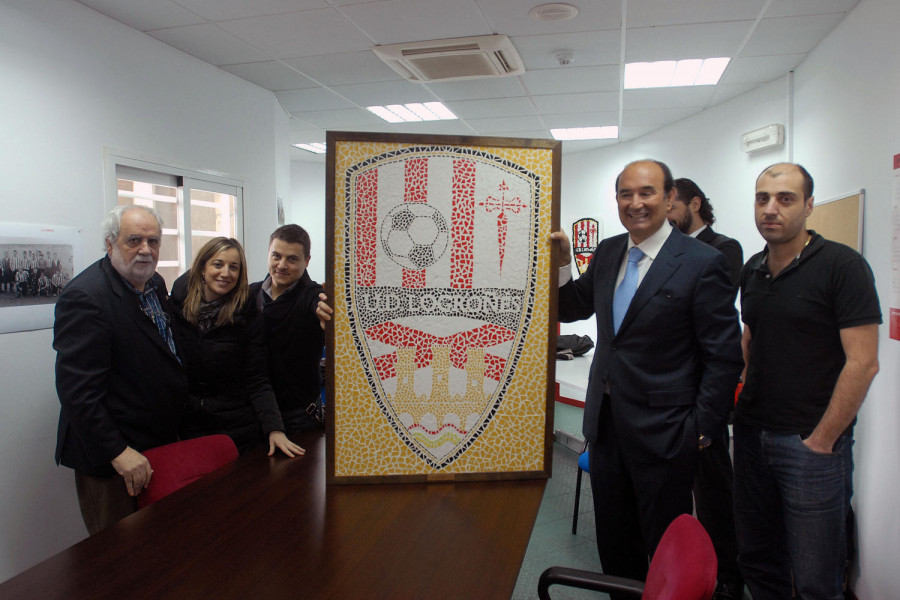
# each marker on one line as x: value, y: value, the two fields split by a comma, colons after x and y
x: 441, y: 353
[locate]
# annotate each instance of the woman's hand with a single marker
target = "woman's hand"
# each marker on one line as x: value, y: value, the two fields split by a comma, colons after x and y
x: 277, y: 439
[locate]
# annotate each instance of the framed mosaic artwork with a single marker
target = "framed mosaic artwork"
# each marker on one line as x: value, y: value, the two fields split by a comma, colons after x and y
x: 440, y: 272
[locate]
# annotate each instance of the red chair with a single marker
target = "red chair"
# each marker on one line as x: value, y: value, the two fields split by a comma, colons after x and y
x: 178, y: 464
x: 683, y: 568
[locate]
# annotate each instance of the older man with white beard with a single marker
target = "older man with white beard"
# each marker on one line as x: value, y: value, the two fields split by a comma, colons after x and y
x: 120, y: 382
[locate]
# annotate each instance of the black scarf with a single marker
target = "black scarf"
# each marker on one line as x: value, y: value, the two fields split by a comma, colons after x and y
x: 208, y: 314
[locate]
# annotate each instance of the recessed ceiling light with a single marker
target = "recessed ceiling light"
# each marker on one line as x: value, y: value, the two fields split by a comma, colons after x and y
x: 609, y: 132
x: 440, y: 110
x: 409, y: 113
x: 404, y: 113
x: 672, y: 73
x: 385, y: 114
x: 422, y: 111
x: 711, y: 71
x: 315, y: 147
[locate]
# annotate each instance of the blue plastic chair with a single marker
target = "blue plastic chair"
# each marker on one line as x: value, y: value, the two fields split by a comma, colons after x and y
x: 583, y: 467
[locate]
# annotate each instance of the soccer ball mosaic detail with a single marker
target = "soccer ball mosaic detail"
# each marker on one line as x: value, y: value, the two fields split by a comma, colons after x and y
x: 414, y: 235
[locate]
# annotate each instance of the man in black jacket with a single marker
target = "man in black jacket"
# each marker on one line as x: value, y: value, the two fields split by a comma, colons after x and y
x: 692, y: 213
x: 120, y: 383
x: 287, y: 298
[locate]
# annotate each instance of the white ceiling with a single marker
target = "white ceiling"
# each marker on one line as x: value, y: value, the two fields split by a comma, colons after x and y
x: 316, y: 56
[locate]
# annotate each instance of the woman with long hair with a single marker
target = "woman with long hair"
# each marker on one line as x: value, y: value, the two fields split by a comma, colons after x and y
x: 221, y: 337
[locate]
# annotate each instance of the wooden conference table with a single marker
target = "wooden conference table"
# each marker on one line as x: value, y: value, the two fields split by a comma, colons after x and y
x: 269, y: 528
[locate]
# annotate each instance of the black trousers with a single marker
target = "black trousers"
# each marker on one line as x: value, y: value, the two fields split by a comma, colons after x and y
x: 634, y: 503
x: 714, y: 497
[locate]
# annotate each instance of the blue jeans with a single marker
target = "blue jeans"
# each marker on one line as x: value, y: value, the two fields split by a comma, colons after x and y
x: 790, y: 509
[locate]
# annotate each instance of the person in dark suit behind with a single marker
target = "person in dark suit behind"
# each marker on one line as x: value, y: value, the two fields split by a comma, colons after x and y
x: 692, y: 213
x: 120, y: 383
x: 664, y: 369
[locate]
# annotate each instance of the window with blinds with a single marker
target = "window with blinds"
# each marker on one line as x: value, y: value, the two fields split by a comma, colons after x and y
x: 195, y: 207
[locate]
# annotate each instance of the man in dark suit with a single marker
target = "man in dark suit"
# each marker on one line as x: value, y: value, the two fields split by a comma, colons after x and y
x: 692, y: 213
x: 664, y: 370
x: 120, y: 383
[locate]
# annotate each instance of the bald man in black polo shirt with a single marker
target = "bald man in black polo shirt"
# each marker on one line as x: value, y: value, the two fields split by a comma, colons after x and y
x: 810, y: 341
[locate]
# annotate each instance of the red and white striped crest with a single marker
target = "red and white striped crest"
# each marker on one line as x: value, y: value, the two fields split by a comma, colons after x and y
x: 585, y: 237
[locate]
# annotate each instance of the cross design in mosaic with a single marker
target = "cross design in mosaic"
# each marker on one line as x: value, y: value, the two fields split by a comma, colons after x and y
x: 501, y: 205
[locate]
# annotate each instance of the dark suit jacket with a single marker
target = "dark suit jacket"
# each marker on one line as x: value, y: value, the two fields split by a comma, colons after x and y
x: 673, y: 366
x: 732, y: 250
x: 118, y: 383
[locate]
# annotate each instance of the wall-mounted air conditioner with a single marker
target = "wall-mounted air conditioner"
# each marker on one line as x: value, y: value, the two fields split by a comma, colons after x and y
x: 762, y: 138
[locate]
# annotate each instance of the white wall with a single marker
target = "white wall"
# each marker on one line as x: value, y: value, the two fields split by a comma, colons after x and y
x: 307, y: 209
x: 846, y: 133
x: 848, y: 130
x: 75, y: 82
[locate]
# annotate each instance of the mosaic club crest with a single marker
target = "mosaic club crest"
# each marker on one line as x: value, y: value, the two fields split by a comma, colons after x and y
x: 585, y: 237
x: 439, y: 245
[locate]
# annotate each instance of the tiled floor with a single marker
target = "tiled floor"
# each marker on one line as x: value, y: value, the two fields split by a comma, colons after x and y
x: 552, y: 542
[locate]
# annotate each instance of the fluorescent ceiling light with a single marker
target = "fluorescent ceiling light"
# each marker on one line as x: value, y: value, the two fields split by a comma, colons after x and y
x: 586, y: 133
x: 404, y: 113
x: 385, y: 114
x: 421, y: 111
x: 315, y: 147
x: 408, y: 113
x: 671, y: 73
x: 440, y: 110
x: 685, y: 72
x: 711, y: 71
x: 649, y: 74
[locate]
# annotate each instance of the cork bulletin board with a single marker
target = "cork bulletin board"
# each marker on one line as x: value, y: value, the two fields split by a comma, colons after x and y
x: 840, y: 219
x: 441, y: 352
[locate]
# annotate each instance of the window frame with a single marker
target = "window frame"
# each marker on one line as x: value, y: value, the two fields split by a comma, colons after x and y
x: 184, y: 180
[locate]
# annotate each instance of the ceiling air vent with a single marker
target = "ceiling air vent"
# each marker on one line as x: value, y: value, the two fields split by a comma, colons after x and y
x: 457, y: 58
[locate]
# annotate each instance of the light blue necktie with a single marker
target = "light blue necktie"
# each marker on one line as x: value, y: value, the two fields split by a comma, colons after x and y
x: 625, y: 291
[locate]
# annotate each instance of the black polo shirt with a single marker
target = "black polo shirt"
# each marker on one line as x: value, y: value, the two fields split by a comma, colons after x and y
x: 795, y: 321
